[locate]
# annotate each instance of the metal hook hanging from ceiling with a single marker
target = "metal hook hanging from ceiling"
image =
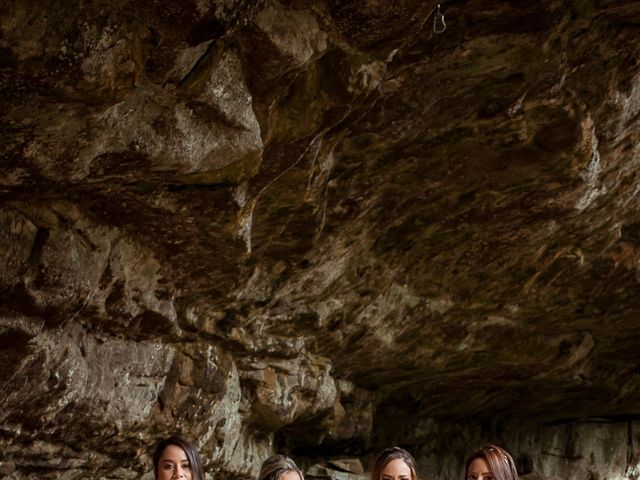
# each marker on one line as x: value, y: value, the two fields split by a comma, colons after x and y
x: 439, y: 24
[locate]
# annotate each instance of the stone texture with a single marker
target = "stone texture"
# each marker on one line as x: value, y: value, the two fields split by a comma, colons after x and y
x: 351, y: 465
x: 319, y: 228
x: 567, y: 449
x: 280, y: 391
x: 76, y: 385
x: 17, y: 237
x: 319, y: 471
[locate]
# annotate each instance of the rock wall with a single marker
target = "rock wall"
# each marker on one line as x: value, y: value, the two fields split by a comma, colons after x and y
x: 319, y: 228
x: 595, y: 448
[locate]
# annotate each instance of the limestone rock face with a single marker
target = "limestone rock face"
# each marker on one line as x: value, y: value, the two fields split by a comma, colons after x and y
x: 320, y: 228
x: 565, y: 450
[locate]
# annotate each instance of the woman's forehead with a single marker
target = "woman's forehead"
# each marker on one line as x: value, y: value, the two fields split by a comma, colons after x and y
x: 479, y: 463
x: 174, y: 452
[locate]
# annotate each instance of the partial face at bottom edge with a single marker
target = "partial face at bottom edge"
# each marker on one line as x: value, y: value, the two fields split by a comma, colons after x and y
x: 396, y: 470
x: 174, y: 463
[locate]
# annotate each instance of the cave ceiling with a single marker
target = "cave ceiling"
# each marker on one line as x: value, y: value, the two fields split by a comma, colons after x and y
x: 450, y: 220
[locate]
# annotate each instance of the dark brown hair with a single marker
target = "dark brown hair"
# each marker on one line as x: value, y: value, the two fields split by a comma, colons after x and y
x: 499, y: 461
x: 273, y: 468
x: 192, y: 454
x: 390, y: 454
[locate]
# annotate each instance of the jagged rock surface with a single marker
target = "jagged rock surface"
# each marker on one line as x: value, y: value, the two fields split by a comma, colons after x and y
x: 318, y: 227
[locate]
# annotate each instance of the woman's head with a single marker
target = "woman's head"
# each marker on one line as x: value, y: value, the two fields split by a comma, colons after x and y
x: 279, y: 467
x: 394, y: 463
x: 490, y: 463
x: 175, y: 457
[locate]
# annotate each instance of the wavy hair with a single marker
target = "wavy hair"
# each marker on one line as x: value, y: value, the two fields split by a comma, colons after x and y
x: 500, y: 462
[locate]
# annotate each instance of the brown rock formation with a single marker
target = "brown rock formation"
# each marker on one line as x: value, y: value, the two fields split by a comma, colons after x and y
x: 319, y: 227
